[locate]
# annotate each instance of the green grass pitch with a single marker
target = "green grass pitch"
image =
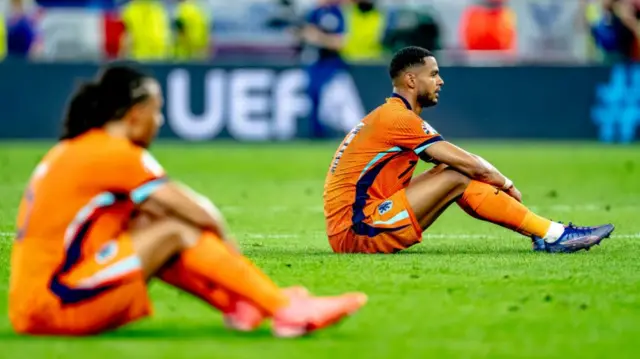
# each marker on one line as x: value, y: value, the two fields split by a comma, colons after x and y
x: 470, y: 290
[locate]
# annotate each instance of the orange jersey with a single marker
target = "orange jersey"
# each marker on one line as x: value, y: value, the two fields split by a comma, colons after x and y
x: 375, y: 160
x: 80, y: 198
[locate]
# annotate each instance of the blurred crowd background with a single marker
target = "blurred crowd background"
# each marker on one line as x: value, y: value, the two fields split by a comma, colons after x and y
x: 468, y: 32
x: 283, y: 69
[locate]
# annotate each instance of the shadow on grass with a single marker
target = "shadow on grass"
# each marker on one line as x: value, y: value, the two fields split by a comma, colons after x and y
x: 182, y: 333
x: 448, y: 251
x: 425, y: 252
x: 198, y: 333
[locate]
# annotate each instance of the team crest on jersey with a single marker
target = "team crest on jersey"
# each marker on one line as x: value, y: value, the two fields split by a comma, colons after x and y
x: 385, y: 207
x: 427, y: 128
x: 151, y: 165
x: 107, y: 252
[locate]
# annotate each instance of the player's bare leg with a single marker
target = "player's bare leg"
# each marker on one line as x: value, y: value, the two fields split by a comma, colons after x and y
x: 430, y: 193
x: 238, y: 313
x: 212, y: 263
x: 157, y: 242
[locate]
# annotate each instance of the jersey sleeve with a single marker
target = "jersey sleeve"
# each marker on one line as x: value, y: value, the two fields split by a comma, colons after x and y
x: 134, y: 172
x: 412, y: 133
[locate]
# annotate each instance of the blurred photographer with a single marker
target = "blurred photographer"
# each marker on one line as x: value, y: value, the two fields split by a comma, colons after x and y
x: 3, y: 38
x: 365, y: 25
x: 322, y: 34
x: 615, y: 29
x: 413, y: 26
x: 191, y: 27
x: 489, y: 25
x: 20, y: 30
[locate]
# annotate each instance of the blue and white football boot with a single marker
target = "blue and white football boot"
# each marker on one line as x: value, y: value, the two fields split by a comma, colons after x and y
x: 574, y: 239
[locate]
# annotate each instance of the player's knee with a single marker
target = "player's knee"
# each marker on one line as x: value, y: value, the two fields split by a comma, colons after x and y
x: 141, y: 221
x: 457, y: 179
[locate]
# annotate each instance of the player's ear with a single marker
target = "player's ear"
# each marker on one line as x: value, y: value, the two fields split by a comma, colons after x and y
x: 131, y: 115
x: 134, y: 115
x: 411, y: 80
x: 138, y: 109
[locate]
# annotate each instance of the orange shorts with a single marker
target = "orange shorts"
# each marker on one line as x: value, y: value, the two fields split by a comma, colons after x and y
x: 391, y: 227
x: 101, y: 292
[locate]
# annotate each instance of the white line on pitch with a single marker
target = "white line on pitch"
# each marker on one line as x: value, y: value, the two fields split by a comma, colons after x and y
x: 426, y: 235
x: 535, y: 208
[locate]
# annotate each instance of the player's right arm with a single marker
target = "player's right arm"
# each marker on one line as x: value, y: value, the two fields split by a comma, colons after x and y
x: 474, y: 166
x: 409, y: 131
x: 139, y: 175
x: 180, y: 201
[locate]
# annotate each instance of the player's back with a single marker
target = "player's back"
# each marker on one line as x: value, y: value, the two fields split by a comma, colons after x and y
x: 376, y: 159
x: 70, y: 207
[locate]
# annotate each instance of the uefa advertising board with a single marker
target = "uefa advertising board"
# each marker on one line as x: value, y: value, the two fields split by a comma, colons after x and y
x: 263, y: 103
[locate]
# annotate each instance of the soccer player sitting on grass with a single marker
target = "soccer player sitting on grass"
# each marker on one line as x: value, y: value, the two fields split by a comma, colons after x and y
x: 99, y: 219
x: 373, y: 205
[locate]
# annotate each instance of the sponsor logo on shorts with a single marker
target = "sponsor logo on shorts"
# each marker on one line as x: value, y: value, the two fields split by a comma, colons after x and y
x: 385, y: 207
x: 107, y: 252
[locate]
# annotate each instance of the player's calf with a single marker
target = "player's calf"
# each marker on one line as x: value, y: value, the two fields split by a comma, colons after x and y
x: 488, y: 203
x: 491, y: 204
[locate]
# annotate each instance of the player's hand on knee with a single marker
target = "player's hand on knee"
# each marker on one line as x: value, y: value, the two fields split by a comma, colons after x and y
x: 148, y: 212
x: 515, y: 193
x: 153, y: 209
x: 438, y: 169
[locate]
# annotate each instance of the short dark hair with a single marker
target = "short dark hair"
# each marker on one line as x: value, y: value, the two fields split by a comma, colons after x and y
x: 108, y: 98
x: 407, y: 57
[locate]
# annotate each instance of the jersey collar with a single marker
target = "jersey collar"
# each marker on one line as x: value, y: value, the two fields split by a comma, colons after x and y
x: 404, y: 100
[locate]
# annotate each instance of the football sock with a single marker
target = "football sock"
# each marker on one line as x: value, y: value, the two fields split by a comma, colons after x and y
x: 177, y: 274
x: 485, y: 202
x: 212, y: 260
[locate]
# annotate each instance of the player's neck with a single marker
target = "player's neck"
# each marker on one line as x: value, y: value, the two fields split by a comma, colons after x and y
x: 408, y: 99
x: 116, y: 129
